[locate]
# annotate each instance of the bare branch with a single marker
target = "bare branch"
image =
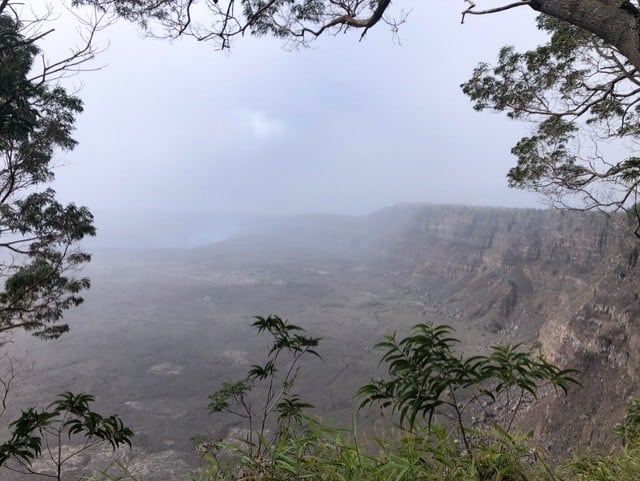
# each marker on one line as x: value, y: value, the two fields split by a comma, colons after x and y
x: 471, y: 11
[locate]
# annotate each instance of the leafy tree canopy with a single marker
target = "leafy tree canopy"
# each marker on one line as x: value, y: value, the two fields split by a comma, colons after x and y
x: 220, y: 21
x: 583, y: 97
x: 38, y: 234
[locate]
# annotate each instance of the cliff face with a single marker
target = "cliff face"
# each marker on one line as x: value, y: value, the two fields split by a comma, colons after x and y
x: 568, y: 280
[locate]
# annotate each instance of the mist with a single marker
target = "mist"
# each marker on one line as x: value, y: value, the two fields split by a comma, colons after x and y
x: 343, y: 127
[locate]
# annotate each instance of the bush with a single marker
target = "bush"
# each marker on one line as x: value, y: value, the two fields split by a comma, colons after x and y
x: 426, y: 380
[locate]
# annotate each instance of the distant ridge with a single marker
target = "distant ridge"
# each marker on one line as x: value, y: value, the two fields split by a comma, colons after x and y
x: 187, y: 229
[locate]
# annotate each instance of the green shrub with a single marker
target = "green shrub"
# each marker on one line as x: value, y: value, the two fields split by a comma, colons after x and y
x: 426, y: 381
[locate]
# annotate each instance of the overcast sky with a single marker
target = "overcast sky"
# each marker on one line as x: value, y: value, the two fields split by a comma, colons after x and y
x: 343, y: 127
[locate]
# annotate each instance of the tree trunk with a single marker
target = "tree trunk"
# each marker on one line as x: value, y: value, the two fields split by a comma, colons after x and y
x: 614, y: 21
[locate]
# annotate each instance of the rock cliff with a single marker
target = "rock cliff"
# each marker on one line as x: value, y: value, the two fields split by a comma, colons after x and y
x: 568, y: 280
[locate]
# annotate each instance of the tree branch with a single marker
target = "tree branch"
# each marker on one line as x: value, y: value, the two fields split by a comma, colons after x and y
x: 471, y: 11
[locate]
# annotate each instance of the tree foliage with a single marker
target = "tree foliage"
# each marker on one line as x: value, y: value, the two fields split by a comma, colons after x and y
x: 38, y: 235
x: 583, y: 97
x: 68, y: 417
x: 221, y: 21
x: 277, y: 377
x: 427, y: 379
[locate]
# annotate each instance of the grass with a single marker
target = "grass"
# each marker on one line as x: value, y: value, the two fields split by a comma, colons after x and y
x: 331, y: 454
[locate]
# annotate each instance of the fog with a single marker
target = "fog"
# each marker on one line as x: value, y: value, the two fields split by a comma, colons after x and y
x: 345, y: 126
x: 160, y: 329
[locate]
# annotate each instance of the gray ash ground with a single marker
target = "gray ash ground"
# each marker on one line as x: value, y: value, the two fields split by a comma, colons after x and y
x: 160, y: 331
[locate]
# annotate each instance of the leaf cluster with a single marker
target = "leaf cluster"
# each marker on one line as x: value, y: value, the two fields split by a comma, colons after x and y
x: 297, y: 21
x: 38, y: 234
x: 579, y: 94
x: 289, y: 344
x: 71, y: 414
x: 427, y: 378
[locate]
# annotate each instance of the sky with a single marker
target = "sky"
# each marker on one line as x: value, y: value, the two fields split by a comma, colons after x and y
x: 345, y: 126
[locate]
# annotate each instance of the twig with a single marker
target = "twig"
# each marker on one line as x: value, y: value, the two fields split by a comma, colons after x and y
x: 470, y: 11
